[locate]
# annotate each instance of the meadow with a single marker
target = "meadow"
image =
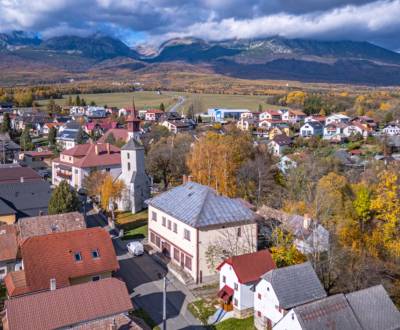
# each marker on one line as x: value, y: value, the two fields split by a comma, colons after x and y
x: 149, y: 99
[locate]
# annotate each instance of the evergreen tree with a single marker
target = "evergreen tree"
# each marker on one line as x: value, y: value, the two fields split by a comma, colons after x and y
x: 6, y: 124
x: 25, y: 140
x: 69, y: 101
x: 63, y: 199
x: 83, y: 102
x: 52, y: 136
x: 199, y: 119
x: 92, y: 103
x: 260, y: 108
x: 77, y: 101
x: 80, y: 137
x: 162, y: 107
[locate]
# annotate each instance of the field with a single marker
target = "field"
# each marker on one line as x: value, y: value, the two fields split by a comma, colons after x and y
x: 144, y: 100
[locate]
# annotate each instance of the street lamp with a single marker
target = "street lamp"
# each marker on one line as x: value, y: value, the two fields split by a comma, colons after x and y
x: 165, y: 280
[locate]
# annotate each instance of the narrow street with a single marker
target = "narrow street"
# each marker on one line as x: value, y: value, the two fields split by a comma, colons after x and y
x: 142, y: 277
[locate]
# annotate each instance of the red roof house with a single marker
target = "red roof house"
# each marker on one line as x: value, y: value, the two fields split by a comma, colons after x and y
x: 66, y: 258
x: 238, y: 274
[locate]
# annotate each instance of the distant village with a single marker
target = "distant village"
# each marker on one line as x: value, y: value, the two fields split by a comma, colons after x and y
x: 80, y: 254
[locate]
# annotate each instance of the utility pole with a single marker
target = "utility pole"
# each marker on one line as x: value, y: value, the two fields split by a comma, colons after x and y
x: 165, y: 303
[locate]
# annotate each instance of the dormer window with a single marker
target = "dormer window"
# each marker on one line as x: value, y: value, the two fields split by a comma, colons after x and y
x: 95, y: 254
x: 78, y: 256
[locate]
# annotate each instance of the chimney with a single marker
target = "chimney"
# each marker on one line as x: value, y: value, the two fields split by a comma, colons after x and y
x: 184, y: 179
x: 306, y: 221
x: 108, y: 148
x: 189, y: 178
x: 21, y: 179
x: 96, y: 149
x: 53, y: 284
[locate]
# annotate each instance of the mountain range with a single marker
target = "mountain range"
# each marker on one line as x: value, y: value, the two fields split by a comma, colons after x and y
x: 268, y: 58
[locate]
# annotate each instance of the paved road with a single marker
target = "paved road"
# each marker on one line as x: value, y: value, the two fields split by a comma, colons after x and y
x: 141, y: 275
x: 177, y: 105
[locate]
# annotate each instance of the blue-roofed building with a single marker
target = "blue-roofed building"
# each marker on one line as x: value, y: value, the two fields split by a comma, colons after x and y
x: 196, y: 229
x: 224, y: 115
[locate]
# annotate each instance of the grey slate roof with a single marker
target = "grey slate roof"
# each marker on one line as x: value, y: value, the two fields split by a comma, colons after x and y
x: 315, y: 124
x: 200, y: 206
x: 295, y: 285
x: 27, y: 198
x: 329, y: 313
x: 133, y: 144
x: 374, y: 309
x: 5, y: 209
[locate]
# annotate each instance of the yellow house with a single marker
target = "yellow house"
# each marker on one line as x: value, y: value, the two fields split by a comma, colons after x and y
x: 7, y: 214
x: 278, y: 131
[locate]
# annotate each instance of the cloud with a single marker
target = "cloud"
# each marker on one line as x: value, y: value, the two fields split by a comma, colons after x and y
x: 157, y: 20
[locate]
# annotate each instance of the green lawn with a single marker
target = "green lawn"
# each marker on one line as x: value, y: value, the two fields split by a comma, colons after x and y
x: 242, y: 324
x: 141, y: 313
x: 134, y: 225
x: 202, y: 309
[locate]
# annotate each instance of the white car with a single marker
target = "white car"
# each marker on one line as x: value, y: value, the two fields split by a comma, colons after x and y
x: 136, y: 248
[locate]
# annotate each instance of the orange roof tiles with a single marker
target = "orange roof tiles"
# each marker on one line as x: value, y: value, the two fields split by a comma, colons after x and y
x: 53, y: 256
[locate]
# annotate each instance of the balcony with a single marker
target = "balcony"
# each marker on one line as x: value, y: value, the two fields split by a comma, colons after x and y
x: 64, y: 175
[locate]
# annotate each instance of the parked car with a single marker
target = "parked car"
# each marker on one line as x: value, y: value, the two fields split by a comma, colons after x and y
x: 136, y: 248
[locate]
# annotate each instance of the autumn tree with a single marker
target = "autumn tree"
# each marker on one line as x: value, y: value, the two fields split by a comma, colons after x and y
x: 215, y: 160
x: 111, y: 191
x: 6, y: 124
x: 63, y: 199
x: 52, y: 136
x: 93, y: 182
x: 23, y: 98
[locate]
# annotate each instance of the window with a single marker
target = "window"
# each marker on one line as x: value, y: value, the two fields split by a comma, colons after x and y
x: 235, y: 302
x: 236, y: 286
x: 239, y: 232
x: 95, y: 254
x: 154, y: 216
x: 2, y: 271
x: 186, y: 234
x: 128, y: 155
x: 188, y: 262
x: 158, y: 242
x: 96, y: 278
x: 129, y: 166
x: 107, y: 169
x: 258, y: 313
x: 169, y: 224
x: 76, y: 171
x: 176, y: 254
x: 78, y: 256
x: 175, y: 228
x: 224, y: 279
x: 164, y: 221
x: 259, y: 296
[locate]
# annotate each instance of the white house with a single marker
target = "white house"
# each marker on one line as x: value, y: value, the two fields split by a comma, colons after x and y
x: 311, y: 128
x: 292, y: 116
x: 356, y: 129
x: 282, y: 289
x: 367, y: 309
x: 153, y: 114
x: 334, y: 131
x: 271, y: 115
x: 237, y: 276
x: 190, y: 221
x: 391, y: 129
x: 318, y: 118
x: 279, y: 144
x: 337, y: 118
x: 95, y: 112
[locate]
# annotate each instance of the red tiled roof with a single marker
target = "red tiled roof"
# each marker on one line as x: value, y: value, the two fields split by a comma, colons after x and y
x: 15, y: 283
x: 119, y: 133
x: 249, y: 267
x: 87, y: 156
x: 273, y: 112
x: 70, y: 306
x: 14, y: 174
x: 225, y: 293
x: 53, y: 256
x: 8, y: 243
x: 155, y: 111
x: 39, y: 153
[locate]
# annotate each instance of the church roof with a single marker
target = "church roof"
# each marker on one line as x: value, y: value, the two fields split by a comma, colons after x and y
x: 133, y: 144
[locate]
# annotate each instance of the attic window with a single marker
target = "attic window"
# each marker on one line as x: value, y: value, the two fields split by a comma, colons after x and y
x: 95, y: 254
x: 78, y: 256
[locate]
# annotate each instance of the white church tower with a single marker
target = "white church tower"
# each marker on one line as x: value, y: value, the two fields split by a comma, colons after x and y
x: 133, y: 173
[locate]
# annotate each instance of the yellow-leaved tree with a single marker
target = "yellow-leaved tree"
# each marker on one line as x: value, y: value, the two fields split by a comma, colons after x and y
x: 215, y: 160
x: 111, y: 191
x: 386, y: 206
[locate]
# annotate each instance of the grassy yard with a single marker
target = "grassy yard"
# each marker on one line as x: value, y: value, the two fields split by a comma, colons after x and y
x: 242, y: 324
x: 134, y: 225
x: 141, y: 313
x: 202, y: 309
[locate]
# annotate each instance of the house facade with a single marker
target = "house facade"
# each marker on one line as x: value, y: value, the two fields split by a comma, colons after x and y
x: 312, y: 128
x: 237, y: 276
x: 282, y: 289
x: 184, y: 223
x: 76, y: 163
x: 391, y: 129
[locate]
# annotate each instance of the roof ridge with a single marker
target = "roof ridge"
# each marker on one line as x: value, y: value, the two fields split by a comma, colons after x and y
x: 207, y: 190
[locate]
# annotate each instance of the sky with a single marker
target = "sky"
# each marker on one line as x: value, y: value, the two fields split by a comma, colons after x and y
x: 154, y: 21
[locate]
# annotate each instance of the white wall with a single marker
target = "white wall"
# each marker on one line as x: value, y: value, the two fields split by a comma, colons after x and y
x: 289, y: 322
x: 268, y: 303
